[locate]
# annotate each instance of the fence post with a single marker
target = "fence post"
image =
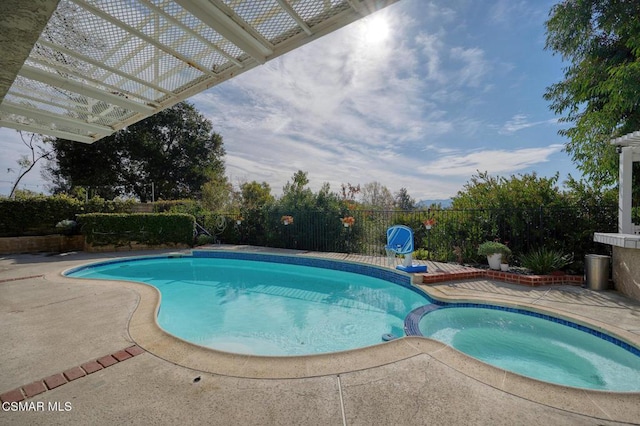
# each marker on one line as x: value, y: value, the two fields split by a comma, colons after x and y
x: 540, y: 227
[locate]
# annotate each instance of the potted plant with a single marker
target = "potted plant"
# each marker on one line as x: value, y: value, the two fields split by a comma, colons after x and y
x: 428, y: 223
x: 504, y: 262
x: 494, y: 252
x: 348, y: 221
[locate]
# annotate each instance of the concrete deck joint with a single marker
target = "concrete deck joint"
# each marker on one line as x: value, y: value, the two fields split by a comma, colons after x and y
x: 344, y: 417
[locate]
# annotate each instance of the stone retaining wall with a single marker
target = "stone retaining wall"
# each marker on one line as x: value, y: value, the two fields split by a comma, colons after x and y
x: 133, y: 246
x: 626, y: 271
x: 43, y: 243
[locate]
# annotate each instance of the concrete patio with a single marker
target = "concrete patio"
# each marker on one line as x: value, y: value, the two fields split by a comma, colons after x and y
x: 54, y: 325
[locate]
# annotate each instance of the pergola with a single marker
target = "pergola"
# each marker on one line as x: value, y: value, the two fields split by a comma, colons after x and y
x: 629, y: 149
x: 83, y: 69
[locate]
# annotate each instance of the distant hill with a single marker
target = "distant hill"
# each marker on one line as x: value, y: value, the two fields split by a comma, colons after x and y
x: 424, y: 204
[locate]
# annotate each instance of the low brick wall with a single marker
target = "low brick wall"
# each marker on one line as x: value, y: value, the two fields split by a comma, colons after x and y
x: 530, y: 280
x: 44, y: 243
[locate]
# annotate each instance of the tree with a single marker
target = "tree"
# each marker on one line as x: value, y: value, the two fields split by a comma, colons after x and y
x: 508, y: 209
x: 377, y: 196
x: 404, y: 200
x: 255, y: 202
x: 175, y: 149
x: 218, y: 195
x: 26, y: 162
x: 527, y: 191
x: 600, y: 93
x: 316, y: 224
x: 295, y: 194
x: 75, y: 165
x: 349, y: 192
x: 255, y: 195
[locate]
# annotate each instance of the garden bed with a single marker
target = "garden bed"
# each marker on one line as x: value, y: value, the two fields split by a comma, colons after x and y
x: 509, y: 277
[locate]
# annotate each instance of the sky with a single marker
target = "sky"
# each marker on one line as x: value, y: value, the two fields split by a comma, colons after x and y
x: 420, y: 95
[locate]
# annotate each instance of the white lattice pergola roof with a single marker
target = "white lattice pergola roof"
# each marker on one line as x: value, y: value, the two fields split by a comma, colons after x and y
x: 630, y: 139
x: 100, y: 65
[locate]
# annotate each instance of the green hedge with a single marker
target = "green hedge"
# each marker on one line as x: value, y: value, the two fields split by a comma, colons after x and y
x: 39, y: 215
x: 144, y: 228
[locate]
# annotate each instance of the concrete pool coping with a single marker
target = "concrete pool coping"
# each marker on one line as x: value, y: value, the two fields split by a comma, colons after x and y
x: 144, y: 332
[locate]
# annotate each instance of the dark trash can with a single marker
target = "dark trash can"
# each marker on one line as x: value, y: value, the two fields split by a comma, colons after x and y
x: 596, y: 271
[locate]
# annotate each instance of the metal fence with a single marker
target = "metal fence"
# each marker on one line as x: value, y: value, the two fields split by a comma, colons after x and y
x: 454, y: 235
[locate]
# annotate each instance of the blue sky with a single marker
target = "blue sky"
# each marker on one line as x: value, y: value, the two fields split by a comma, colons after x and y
x: 419, y: 95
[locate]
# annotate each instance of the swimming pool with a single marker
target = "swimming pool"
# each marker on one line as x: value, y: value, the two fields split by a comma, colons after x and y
x: 266, y: 304
x: 532, y: 344
x: 270, y: 305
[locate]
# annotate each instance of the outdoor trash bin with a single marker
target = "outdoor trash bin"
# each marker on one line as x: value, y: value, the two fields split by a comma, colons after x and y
x: 596, y: 271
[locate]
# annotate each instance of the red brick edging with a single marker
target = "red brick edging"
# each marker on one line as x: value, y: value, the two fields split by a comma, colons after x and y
x: 59, y: 379
x: 6, y: 280
x: 530, y: 280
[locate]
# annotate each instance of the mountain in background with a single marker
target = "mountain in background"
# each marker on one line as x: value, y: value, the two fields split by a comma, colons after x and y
x: 425, y: 204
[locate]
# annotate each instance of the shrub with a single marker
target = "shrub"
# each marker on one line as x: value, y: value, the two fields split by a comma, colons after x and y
x: 145, y: 228
x: 37, y: 215
x: 204, y: 239
x: 544, y: 261
x: 491, y: 247
x: 421, y: 254
x: 67, y: 227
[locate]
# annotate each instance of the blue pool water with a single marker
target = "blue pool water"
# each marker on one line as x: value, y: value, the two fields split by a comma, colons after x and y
x: 535, y: 347
x: 267, y: 308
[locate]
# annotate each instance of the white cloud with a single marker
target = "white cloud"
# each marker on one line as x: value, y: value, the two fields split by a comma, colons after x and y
x: 519, y: 122
x: 431, y: 48
x: 326, y: 108
x: 493, y: 161
x: 511, y: 12
x: 475, y: 65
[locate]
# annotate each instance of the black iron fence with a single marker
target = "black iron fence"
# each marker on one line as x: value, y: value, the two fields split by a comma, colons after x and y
x: 454, y: 235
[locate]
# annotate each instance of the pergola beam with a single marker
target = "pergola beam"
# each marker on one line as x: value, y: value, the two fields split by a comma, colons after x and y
x: 192, y: 33
x: 211, y: 15
x: 83, y: 89
x: 12, y: 108
x: 291, y: 12
x: 35, y: 128
x: 79, y: 75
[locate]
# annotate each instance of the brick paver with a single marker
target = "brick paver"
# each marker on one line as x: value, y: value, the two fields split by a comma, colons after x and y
x: 91, y: 367
x: 33, y: 389
x: 107, y: 361
x: 74, y: 373
x: 121, y: 355
x: 12, y: 396
x: 54, y: 381
x: 135, y: 350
